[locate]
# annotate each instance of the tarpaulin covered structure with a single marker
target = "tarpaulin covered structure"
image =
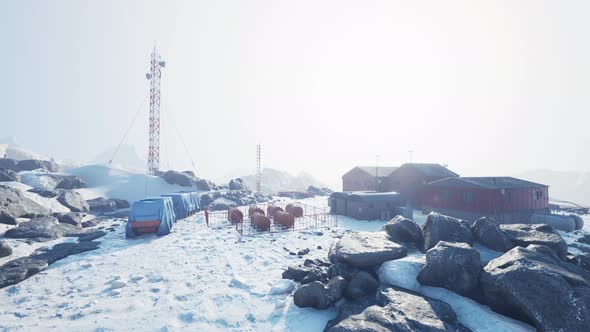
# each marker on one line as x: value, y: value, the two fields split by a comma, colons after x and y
x: 151, y: 215
x: 195, y: 200
x: 183, y: 204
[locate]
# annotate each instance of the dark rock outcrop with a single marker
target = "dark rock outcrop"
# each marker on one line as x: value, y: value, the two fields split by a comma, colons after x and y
x: 365, y: 249
x: 90, y: 223
x: 33, y: 164
x: 403, y: 230
x: 91, y: 236
x: 361, y: 284
x: 71, y: 218
x: 7, y: 219
x: 205, y: 185
x: 342, y: 270
x: 42, y: 229
x: 101, y: 204
x: 8, y: 175
x: 350, y: 308
x: 316, y: 295
x: 120, y: 203
x: 488, y: 233
x: 296, y: 273
x: 236, y: 184
x: 20, y: 269
x: 7, y: 163
x: 71, y: 182
x: 179, y: 178
x: 439, y: 227
x: 536, y: 286
x: 402, y: 311
x: 73, y: 201
x: 14, y: 204
x: 49, y: 193
x: 525, y: 234
x: 5, y: 249
x: 454, y: 266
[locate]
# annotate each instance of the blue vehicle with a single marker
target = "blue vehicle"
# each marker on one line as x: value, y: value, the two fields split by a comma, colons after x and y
x: 151, y: 215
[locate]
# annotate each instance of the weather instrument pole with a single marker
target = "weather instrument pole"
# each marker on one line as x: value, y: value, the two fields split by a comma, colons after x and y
x: 154, y: 76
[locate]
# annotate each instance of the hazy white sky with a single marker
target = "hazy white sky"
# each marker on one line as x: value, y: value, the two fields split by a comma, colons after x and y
x: 487, y: 87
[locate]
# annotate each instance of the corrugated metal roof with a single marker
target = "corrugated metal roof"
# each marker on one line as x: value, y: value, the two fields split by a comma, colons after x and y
x: 376, y: 197
x: 382, y: 170
x: 498, y: 182
x: 434, y: 170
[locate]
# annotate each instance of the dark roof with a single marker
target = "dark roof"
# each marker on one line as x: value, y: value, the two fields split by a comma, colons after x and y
x: 382, y: 170
x: 345, y: 194
x: 376, y: 197
x: 498, y: 182
x: 432, y: 170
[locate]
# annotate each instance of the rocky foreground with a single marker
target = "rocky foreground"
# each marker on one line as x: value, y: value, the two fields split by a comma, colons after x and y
x: 534, y: 281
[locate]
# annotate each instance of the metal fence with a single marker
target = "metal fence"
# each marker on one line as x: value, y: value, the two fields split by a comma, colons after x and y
x: 313, y: 218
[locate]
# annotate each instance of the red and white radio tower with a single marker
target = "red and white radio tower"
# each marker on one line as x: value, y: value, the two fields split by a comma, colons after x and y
x: 154, y: 77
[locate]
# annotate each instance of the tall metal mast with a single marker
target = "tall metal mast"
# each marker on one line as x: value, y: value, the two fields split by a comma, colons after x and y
x: 258, y: 175
x: 154, y: 76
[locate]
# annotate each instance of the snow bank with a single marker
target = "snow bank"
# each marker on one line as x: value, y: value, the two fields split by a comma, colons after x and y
x: 479, y: 318
x: 107, y: 181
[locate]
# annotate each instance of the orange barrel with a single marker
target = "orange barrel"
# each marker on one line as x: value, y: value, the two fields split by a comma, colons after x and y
x: 235, y: 216
x: 254, y: 209
x: 260, y: 222
x: 296, y: 211
x: 284, y: 219
x: 271, y: 210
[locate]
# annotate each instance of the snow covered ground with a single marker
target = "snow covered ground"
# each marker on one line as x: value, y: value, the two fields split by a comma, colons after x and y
x: 201, y: 279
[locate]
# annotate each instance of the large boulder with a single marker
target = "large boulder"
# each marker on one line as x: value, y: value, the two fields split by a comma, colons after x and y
x: 365, y: 249
x: 33, y: 164
x: 13, y: 204
x: 44, y: 228
x: 121, y: 203
x: 20, y: 269
x: 536, y: 286
x: 582, y: 260
x: 101, y: 204
x: 237, y: 184
x: 488, y: 233
x: 71, y: 218
x: 71, y: 182
x: 5, y: 249
x: 316, y: 295
x: 454, y: 266
x: 296, y: 273
x: 351, y: 308
x: 439, y: 227
x: 179, y: 178
x: 525, y: 234
x: 361, y: 284
x: 8, y: 175
x: 205, y: 185
x: 402, y: 311
x: 7, y: 163
x: 403, y: 230
x: 73, y: 201
x: 342, y: 270
x: 49, y: 193
x: 63, y: 250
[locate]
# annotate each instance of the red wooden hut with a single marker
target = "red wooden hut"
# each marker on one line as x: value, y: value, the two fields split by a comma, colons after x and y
x: 507, y: 199
x: 409, y: 179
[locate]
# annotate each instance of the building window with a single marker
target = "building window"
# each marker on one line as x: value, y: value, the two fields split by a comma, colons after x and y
x: 445, y: 196
x: 538, y: 194
x: 507, y: 196
x: 468, y: 197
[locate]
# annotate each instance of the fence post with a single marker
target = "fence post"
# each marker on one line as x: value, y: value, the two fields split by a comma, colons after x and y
x: 207, y: 217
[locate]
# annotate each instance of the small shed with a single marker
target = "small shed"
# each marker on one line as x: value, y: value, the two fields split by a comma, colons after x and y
x: 375, y: 206
x: 337, y: 202
x: 507, y: 199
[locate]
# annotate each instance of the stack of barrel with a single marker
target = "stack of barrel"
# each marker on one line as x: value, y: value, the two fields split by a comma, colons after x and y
x: 257, y: 219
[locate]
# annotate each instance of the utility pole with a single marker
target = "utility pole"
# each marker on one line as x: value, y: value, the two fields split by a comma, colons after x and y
x: 154, y: 76
x: 258, y: 172
x: 410, y: 152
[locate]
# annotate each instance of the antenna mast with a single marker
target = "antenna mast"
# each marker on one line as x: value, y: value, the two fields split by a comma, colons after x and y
x: 258, y: 175
x: 154, y: 76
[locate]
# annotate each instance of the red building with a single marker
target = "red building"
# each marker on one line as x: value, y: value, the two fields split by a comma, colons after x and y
x: 409, y: 179
x: 507, y: 199
x: 366, y: 178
